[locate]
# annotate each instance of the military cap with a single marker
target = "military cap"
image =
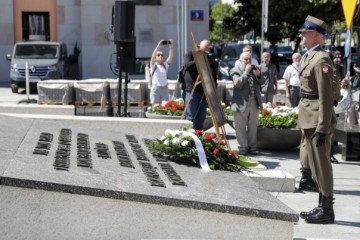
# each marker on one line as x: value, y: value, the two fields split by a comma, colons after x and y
x: 314, y: 24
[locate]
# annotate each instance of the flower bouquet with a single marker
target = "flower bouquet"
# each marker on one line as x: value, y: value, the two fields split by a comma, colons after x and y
x: 173, y: 108
x: 282, y: 117
x: 180, y: 146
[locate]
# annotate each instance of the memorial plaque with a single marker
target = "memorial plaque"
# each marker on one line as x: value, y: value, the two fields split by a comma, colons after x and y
x: 125, y: 169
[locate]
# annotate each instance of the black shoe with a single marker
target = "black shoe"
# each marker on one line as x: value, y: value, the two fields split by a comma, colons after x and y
x: 307, y: 183
x: 326, y: 214
x: 304, y: 215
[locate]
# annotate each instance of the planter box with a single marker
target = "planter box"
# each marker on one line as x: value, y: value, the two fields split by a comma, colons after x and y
x: 278, y: 139
x: 59, y: 92
x: 92, y: 92
x: 136, y: 91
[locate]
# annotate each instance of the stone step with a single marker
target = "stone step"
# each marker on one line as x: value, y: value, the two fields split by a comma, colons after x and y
x: 273, y: 180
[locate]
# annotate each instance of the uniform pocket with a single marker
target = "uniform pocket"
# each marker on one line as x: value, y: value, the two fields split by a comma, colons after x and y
x: 306, y: 75
x: 314, y: 105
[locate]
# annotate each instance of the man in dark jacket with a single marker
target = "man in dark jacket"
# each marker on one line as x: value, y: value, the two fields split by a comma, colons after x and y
x: 196, y: 109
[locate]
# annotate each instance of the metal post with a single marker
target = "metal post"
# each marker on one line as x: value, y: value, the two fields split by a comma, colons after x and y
x: 27, y: 80
x: 264, y: 22
x: 119, y: 56
x: 348, y: 67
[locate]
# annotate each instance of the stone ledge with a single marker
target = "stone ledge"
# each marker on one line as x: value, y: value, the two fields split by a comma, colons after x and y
x: 67, y: 110
x: 273, y: 180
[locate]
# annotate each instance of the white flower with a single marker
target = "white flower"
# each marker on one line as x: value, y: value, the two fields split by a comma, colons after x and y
x: 172, y: 133
x: 185, y: 143
x: 166, y: 142
x: 176, y: 141
x: 191, y: 130
x: 162, y: 138
x: 179, y: 100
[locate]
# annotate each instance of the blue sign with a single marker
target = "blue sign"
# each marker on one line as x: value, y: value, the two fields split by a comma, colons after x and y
x: 197, y: 15
x: 347, y: 46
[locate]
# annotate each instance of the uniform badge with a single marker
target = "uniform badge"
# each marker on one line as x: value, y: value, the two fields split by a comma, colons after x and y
x: 325, y: 69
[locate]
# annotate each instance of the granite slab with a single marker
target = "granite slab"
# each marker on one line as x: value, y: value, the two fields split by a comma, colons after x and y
x: 146, y: 180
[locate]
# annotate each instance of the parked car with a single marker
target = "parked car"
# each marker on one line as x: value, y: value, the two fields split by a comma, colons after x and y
x: 284, y: 52
x: 230, y: 53
x: 46, y: 60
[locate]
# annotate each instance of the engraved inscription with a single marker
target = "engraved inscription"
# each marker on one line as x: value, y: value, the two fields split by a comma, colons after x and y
x: 139, y: 152
x: 172, y: 174
x: 103, y: 151
x: 151, y: 174
x: 169, y: 171
x: 158, y: 155
x: 44, y: 144
x: 83, y: 151
x: 62, y: 155
x: 122, y: 155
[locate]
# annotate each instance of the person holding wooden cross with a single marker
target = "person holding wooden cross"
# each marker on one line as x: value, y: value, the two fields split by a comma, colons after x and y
x: 246, y: 102
x: 196, y: 109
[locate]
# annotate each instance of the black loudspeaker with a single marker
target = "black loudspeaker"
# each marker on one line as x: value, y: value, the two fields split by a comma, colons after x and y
x: 124, y: 21
x: 126, y: 56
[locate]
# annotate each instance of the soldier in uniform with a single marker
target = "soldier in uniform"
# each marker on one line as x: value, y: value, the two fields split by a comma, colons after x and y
x: 316, y: 116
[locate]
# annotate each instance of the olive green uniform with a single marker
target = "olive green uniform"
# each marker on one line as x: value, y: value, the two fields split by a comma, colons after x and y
x: 304, y: 160
x: 316, y: 79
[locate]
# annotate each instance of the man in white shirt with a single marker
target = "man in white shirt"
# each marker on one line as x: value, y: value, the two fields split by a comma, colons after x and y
x: 292, y: 80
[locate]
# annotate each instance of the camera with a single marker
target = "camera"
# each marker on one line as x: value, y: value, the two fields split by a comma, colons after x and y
x: 166, y: 42
x: 253, y: 67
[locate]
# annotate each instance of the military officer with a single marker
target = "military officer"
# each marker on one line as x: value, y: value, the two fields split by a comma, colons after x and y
x: 316, y: 116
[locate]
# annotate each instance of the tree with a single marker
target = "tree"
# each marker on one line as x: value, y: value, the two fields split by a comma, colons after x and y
x: 245, y: 18
x: 218, y: 12
x: 285, y: 17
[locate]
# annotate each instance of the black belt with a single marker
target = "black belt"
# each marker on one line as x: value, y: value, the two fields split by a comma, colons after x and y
x: 292, y: 86
x: 309, y: 96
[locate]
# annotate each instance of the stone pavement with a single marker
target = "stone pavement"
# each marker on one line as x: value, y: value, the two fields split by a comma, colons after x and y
x: 38, y: 211
x: 346, y: 189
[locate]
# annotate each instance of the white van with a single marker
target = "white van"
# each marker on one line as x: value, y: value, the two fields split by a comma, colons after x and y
x: 46, y: 60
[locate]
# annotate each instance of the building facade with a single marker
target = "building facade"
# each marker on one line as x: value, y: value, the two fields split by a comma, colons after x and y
x: 88, y: 23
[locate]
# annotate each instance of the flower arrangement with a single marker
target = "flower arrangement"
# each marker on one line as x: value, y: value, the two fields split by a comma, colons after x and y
x: 173, y: 107
x: 180, y: 146
x: 278, y: 116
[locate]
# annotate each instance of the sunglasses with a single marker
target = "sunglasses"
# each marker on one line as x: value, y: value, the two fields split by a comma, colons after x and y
x: 160, y: 54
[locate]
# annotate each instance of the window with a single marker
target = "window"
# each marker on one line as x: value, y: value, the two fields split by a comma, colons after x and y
x: 36, y: 26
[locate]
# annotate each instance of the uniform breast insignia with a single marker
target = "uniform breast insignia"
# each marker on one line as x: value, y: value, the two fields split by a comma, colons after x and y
x: 325, y: 69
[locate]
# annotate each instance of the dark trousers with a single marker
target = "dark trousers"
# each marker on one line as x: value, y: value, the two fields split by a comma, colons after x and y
x: 196, y: 110
x: 294, y: 95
